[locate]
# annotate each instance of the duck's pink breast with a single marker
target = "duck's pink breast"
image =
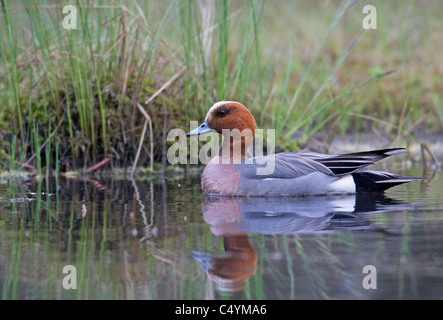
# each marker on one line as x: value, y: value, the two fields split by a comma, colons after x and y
x: 221, y: 179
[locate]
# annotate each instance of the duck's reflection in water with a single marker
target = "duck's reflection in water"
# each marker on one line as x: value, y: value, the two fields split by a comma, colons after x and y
x: 230, y: 270
x: 235, y: 218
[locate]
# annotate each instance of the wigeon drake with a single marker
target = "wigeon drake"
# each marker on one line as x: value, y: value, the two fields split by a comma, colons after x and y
x: 294, y: 173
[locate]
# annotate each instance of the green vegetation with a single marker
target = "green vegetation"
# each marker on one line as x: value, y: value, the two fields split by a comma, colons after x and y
x: 72, y: 96
x: 137, y: 240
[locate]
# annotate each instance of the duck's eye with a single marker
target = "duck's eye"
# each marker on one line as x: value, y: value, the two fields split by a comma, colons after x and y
x: 222, y: 112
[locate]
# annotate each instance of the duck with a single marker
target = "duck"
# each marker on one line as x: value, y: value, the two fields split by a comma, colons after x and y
x: 232, y: 173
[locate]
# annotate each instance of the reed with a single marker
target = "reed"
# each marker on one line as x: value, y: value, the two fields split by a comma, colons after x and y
x: 302, y: 69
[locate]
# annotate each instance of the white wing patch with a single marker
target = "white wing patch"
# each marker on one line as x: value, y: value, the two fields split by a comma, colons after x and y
x: 344, y: 184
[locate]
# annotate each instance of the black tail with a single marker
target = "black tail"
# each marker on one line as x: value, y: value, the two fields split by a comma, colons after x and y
x: 350, y: 162
x: 378, y: 181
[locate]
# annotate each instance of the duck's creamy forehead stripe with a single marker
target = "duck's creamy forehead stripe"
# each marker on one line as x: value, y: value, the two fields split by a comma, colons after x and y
x: 217, y: 105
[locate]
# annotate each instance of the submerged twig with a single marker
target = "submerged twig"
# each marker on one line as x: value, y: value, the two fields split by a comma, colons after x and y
x: 98, y: 165
x: 25, y: 165
x: 151, y: 141
x: 425, y: 147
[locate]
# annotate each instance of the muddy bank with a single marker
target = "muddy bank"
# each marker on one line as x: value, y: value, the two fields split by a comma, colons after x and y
x: 426, y: 151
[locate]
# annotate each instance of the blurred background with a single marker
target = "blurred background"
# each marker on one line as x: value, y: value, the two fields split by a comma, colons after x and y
x: 104, y: 95
x: 72, y: 97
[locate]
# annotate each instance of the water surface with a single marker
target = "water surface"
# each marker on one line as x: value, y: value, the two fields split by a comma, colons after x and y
x: 162, y: 239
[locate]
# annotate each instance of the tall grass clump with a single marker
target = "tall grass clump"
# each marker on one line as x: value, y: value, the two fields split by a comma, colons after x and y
x: 79, y: 89
x: 85, y: 95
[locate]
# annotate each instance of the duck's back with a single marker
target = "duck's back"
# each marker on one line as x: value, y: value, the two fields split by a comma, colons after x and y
x: 287, y: 174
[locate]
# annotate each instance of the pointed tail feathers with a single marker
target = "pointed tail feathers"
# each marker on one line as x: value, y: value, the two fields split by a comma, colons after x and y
x: 350, y: 162
x: 378, y: 181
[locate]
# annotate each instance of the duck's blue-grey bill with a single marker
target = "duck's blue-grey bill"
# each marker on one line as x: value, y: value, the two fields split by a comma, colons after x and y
x: 203, y: 128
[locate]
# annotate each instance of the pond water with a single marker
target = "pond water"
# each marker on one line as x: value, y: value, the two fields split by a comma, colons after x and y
x: 162, y: 239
